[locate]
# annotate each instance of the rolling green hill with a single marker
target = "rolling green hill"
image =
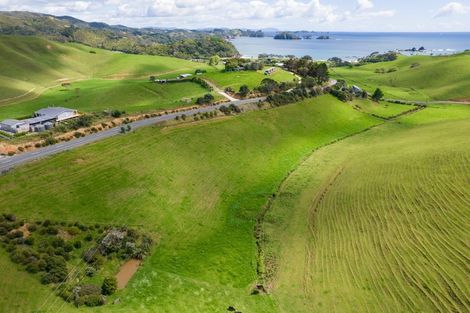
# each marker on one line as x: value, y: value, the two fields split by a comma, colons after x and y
x: 152, y: 41
x: 415, y: 77
x: 376, y: 223
x: 250, y: 78
x: 96, y: 95
x: 30, y: 65
x: 198, y: 186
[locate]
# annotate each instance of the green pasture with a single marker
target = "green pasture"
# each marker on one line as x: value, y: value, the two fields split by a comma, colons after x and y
x: 198, y: 186
x: 422, y: 78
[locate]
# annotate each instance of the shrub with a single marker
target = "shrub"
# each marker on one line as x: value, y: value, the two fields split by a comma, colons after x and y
x: 378, y: 94
x: 57, y: 242
x: 90, y: 271
x: 244, y: 91
x: 49, y: 141
x: 77, y: 244
x: 109, y: 286
x: 54, y: 276
x: 116, y: 113
x: 73, y: 230
x: 51, y: 230
x: 89, y: 237
x: 32, y: 227
x: 10, y: 217
x: 207, y: 99
x: 93, y: 300
x: 92, y: 256
x: 68, y: 247
x: 56, y: 270
x: 29, y: 241
x: 15, y: 234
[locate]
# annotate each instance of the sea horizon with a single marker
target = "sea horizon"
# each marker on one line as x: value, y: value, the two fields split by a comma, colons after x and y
x: 354, y: 45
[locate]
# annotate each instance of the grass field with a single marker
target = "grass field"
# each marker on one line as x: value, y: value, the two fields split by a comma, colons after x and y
x: 381, y: 109
x: 250, y: 78
x: 32, y: 64
x: 98, y: 95
x: 415, y: 78
x: 377, y: 222
x: 198, y: 186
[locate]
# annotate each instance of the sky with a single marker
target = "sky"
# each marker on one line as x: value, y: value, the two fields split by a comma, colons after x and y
x: 316, y: 15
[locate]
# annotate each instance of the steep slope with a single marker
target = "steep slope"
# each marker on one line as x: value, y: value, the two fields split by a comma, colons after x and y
x: 376, y: 223
x: 31, y: 64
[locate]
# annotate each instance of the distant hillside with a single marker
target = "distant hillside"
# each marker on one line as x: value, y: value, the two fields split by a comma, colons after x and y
x: 30, y: 64
x: 178, y: 43
x: 414, y: 78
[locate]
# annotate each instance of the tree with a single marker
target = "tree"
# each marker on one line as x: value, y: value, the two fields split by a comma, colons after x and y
x: 244, y: 91
x: 152, y: 79
x: 214, y: 60
x: 209, y: 98
x: 268, y: 86
x: 378, y: 94
x: 109, y: 286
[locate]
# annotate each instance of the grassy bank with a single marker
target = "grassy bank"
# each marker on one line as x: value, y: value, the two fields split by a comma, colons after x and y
x: 375, y: 222
x: 95, y: 95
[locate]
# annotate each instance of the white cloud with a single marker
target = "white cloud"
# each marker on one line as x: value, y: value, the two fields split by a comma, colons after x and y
x: 283, y: 14
x: 364, y: 4
x: 452, y: 8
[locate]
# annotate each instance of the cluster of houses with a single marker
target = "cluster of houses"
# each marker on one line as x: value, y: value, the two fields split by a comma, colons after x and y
x: 42, y: 120
x: 269, y: 71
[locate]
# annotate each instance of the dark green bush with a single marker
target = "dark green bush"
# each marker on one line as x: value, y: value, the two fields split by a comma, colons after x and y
x: 32, y: 227
x: 15, y: 234
x: 109, y: 286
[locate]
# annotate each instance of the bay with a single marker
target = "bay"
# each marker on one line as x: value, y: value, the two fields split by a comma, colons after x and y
x: 351, y: 46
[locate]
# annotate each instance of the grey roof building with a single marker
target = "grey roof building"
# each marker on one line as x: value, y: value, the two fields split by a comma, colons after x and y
x: 57, y: 113
x: 14, y: 126
x: 43, y: 119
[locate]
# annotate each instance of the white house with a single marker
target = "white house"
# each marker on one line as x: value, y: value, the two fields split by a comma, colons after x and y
x: 184, y: 76
x: 14, y: 126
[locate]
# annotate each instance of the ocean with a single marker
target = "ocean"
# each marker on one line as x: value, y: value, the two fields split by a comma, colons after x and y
x: 351, y: 46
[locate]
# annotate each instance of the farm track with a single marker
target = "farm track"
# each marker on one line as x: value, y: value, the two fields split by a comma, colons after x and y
x: 400, y: 246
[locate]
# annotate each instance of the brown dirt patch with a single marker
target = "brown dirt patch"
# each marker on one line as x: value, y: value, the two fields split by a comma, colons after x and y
x: 64, y: 235
x: 126, y: 272
x: 24, y: 229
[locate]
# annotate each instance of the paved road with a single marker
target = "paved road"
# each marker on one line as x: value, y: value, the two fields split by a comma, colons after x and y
x: 7, y: 163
